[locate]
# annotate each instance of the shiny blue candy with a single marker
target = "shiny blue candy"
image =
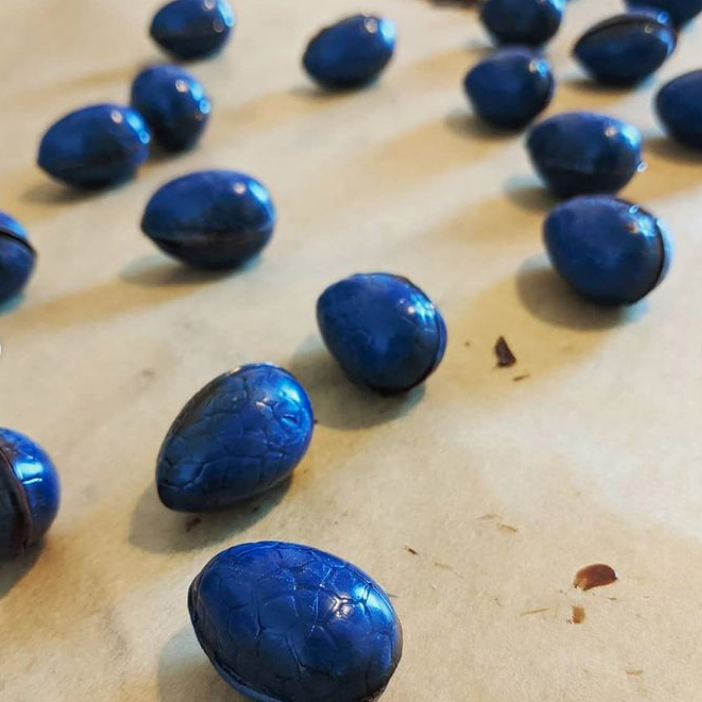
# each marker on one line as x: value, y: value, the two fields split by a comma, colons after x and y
x: 383, y: 330
x: 243, y: 433
x: 680, y: 11
x: 211, y: 219
x: 679, y: 107
x: 510, y: 87
x: 283, y: 622
x: 193, y: 29
x: 17, y: 257
x: 174, y: 105
x: 610, y: 251
x: 584, y: 152
x: 530, y: 22
x: 350, y: 53
x: 29, y: 493
x: 96, y: 146
x: 626, y: 49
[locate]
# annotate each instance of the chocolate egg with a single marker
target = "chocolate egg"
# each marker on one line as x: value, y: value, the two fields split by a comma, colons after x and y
x: 281, y: 621
x: 29, y: 493
x: 211, y: 219
x: 17, y: 257
x: 383, y: 330
x: 243, y: 433
x: 96, y: 146
x: 584, y: 152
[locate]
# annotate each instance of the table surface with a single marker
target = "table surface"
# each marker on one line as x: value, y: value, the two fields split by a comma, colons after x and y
x: 504, y: 489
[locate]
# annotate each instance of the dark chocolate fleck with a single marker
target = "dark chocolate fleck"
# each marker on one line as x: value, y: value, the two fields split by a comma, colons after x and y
x: 534, y: 611
x: 507, y: 528
x: 595, y: 575
x: 192, y: 523
x: 505, y: 357
x: 578, y: 615
x: 409, y: 549
x: 519, y: 378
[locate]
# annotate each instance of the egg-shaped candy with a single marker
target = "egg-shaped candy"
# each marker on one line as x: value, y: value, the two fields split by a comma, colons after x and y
x: 577, y: 153
x: 626, y: 49
x: 17, y: 257
x: 531, y: 22
x: 679, y: 107
x: 510, y: 87
x: 243, y: 433
x: 611, y: 251
x: 29, y: 493
x: 174, y: 105
x: 96, y: 146
x: 384, y: 331
x: 193, y: 29
x: 211, y: 219
x: 280, y: 621
x: 351, y: 53
x: 680, y: 11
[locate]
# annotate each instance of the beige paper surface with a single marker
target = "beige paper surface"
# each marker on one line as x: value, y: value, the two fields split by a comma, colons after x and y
x: 595, y: 457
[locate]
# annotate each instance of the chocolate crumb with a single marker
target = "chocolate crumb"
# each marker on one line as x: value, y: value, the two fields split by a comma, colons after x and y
x: 466, y: 344
x: 505, y: 357
x: 578, y: 615
x: 534, y: 611
x: 409, y: 549
x: 519, y: 378
x: 596, y: 575
x: 634, y: 673
x: 192, y: 523
x: 508, y: 528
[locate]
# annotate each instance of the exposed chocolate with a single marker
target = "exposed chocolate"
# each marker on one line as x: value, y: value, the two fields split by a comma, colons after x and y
x: 505, y: 357
x: 595, y: 575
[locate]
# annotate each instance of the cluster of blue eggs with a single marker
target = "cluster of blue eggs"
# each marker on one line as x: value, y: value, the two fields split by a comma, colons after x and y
x: 284, y: 621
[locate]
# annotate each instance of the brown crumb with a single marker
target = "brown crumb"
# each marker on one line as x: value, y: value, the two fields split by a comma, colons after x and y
x: 491, y: 515
x: 634, y: 673
x: 409, y: 549
x: 393, y: 596
x: 534, y: 611
x: 316, y: 421
x: 519, y: 378
x: 578, y: 615
x: 466, y: 344
x: 508, y: 528
x: 505, y: 357
x: 596, y: 575
x: 192, y: 523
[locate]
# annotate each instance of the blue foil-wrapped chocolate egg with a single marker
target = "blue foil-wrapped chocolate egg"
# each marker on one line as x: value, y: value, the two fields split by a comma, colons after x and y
x: 679, y: 107
x: 611, y: 251
x: 211, y: 219
x: 510, y: 87
x: 577, y: 153
x: 281, y: 621
x: 530, y: 22
x: 680, y: 11
x: 174, y: 105
x: 243, y: 433
x: 193, y: 29
x: 17, y: 257
x: 383, y: 331
x: 626, y: 49
x: 350, y: 53
x: 96, y: 146
x: 29, y: 493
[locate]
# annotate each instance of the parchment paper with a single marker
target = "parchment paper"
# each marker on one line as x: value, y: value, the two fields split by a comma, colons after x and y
x: 505, y: 489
